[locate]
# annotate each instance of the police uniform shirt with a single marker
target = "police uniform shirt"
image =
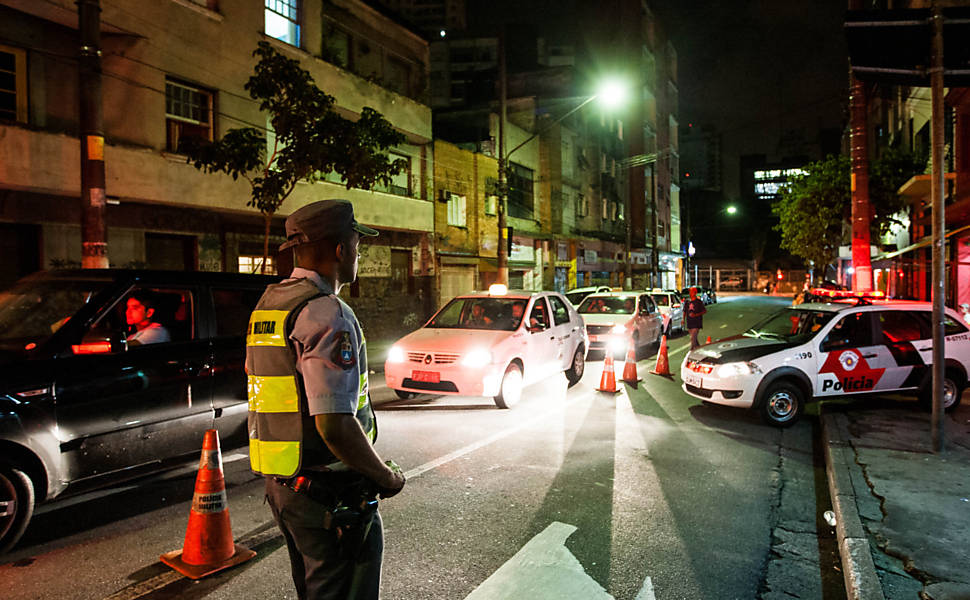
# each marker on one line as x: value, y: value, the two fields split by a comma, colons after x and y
x: 330, y: 350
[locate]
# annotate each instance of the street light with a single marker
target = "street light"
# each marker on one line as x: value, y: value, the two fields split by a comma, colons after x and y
x: 731, y: 209
x: 611, y: 94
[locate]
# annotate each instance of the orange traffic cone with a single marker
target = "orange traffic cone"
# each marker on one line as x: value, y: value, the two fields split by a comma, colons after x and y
x: 630, y: 364
x: 663, y: 365
x: 209, y: 546
x: 708, y: 340
x: 608, y: 379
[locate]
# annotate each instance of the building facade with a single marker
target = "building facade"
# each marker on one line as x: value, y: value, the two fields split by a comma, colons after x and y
x: 173, y: 70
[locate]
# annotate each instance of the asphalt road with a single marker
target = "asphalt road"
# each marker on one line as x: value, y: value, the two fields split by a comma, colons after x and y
x: 571, y: 494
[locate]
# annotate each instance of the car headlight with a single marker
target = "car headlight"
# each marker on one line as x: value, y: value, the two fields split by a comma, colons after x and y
x: 395, y: 355
x: 737, y: 368
x: 619, y: 329
x: 478, y: 357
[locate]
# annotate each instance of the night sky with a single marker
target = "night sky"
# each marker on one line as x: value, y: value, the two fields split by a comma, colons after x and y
x: 753, y: 69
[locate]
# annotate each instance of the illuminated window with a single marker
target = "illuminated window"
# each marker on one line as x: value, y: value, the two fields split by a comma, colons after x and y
x: 13, y: 84
x: 188, y: 114
x: 283, y: 20
x: 254, y: 264
x: 521, y: 198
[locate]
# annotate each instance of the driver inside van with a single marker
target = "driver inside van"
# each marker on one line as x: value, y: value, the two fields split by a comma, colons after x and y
x: 139, y: 311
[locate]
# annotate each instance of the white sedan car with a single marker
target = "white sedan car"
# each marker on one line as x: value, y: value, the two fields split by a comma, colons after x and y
x: 670, y: 305
x: 490, y: 344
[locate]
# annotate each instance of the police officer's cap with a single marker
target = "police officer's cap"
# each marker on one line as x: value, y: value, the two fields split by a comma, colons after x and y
x: 322, y: 220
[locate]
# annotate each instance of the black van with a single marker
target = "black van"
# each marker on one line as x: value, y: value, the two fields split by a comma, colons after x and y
x: 83, y: 405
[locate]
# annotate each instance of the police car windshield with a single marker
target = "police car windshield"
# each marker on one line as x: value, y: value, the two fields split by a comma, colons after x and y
x: 791, y: 325
x: 608, y: 305
x: 503, y: 314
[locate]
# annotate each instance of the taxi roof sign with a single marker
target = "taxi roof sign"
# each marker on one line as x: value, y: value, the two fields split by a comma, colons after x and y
x: 498, y: 289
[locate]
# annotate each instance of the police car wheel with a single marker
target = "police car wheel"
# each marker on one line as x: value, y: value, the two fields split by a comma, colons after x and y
x: 783, y: 404
x: 404, y: 395
x: 575, y: 372
x: 16, y: 505
x: 511, y: 389
x: 951, y: 394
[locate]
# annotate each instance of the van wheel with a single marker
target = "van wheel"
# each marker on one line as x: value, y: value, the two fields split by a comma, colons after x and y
x: 511, y: 389
x: 782, y: 405
x: 404, y: 395
x: 575, y: 372
x: 952, y: 391
x: 16, y: 505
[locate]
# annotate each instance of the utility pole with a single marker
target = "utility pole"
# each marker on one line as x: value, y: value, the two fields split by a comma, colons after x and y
x: 939, y: 227
x: 94, y: 248
x: 858, y: 150
x: 502, y: 256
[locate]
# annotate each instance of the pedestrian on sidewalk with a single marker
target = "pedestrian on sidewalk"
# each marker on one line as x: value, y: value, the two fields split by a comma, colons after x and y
x: 694, y: 312
x: 312, y: 427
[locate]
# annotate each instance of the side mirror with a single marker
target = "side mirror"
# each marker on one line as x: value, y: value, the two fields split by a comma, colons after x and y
x: 675, y: 305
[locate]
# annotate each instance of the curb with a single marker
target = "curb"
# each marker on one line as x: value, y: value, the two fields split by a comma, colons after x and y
x: 858, y: 568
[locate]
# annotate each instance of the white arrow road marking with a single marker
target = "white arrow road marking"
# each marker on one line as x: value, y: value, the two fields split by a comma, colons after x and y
x: 646, y: 592
x: 542, y: 569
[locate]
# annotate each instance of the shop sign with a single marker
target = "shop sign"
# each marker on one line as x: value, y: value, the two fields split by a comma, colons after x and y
x: 522, y: 252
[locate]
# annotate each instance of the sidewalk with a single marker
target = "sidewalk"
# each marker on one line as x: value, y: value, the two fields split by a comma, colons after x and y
x: 903, y: 513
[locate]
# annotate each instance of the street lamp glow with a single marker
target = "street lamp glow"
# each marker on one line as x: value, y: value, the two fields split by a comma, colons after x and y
x: 612, y: 93
x: 732, y: 209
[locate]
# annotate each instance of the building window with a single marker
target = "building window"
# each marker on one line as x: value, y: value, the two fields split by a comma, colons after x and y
x: 521, y: 202
x: 397, y: 76
x: 606, y: 209
x: 582, y: 205
x: 283, y: 20
x: 400, y: 271
x: 254, y: 264
x: 456, y: 210
x: 338, y: 48
x: 491, y: 205
x: 13, y: 84
x: 188, y: 114
x: 401, y: 183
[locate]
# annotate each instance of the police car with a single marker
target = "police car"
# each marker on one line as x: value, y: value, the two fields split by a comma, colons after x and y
x: 490, y: 344
x: 849, y: 346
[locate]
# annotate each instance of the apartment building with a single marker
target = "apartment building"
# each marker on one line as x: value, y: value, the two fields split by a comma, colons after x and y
x: 175, y: 69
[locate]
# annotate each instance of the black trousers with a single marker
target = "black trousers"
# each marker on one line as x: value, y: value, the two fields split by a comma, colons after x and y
x: 319, y: 572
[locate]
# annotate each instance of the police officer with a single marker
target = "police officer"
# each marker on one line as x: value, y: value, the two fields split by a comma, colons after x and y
x: 311, y: 424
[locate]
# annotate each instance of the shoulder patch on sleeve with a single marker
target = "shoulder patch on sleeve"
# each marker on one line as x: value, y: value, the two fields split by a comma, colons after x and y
x: 344, y: 350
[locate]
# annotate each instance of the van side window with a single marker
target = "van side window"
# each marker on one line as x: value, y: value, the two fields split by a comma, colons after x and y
x: 232, y: 309
x: 144, y: 316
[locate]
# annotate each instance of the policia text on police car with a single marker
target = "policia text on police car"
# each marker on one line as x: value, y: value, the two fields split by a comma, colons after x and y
x: 311, y: 423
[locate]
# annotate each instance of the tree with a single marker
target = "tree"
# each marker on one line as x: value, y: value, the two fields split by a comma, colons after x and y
x: 814, y: 206
x: 811, y: 210
x: 309, y: 140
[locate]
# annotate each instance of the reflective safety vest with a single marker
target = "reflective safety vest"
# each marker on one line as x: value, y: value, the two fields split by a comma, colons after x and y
x: 282, y: 434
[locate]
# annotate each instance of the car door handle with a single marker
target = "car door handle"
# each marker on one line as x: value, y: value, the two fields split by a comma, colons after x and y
x: 924, y: 349
x: 869, y: 355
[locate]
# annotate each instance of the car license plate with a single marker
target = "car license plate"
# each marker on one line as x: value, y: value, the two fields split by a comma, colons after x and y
x: 594, y: 338
x: 694, y: 380
x: 426, y: 376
